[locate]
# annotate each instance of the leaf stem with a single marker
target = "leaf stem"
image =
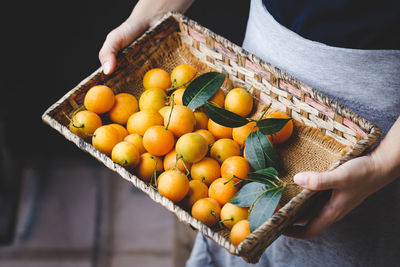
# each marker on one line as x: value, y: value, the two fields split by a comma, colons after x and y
x: 264, y: 192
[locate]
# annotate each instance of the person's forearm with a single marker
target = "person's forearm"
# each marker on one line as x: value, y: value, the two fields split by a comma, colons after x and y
x: 386, y: 156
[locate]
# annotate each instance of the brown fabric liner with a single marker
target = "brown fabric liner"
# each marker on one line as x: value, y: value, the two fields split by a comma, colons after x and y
x: 307, y: 150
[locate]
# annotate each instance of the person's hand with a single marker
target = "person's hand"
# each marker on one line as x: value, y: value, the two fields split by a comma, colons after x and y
x: 350, y: 183
x: 145, y: 14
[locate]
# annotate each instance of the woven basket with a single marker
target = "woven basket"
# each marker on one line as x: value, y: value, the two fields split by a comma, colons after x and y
x: 326, y: 134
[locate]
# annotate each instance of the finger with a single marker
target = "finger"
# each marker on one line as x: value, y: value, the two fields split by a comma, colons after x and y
x: 314, y: 208
x: 115, y: 41
x: 318, y: 180
x: 315, y: 226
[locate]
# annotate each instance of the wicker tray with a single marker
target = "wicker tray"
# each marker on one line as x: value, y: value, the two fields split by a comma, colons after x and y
x: 326, y: 133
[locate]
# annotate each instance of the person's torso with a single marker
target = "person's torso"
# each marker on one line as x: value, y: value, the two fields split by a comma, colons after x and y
x: 341, y: 23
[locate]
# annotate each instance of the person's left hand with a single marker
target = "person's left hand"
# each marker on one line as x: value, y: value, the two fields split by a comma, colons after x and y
x: 351, y: 183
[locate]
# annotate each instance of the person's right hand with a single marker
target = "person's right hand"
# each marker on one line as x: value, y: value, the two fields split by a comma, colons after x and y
x: 145, y: 14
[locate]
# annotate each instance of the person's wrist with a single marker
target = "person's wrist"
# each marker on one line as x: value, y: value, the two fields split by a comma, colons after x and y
x: 382, y: 170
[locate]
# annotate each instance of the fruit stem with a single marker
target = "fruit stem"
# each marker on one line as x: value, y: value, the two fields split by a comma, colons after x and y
x: 229, y: 180
x: 235, y: 184
x: 153, y: 180
x: 265, y: 111
x: 177, y: 157
x: 72, y: 121
x: 184, y: 84
x: 289, y: 185
x: 170, y: 113
x: 248, y: 90
x: 73, y: 115
x: 221, y: 223
x: 214, y: 214
x: 187, y: 169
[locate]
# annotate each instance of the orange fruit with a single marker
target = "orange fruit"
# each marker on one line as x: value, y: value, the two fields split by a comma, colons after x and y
x: 207, y: 136
x: 197, y: 190
x: 222, y: 190
x: 121, y: 130
x: 192, y: 147
x: 153, y: 98
x: 231, y: 214
x: 124, y: 106
x: 287, y: 130
x: 181, y: 121
x: 158, y: 141
x: 105, y: 138
x: 178, y: 93
x: 223, y: 149
x: 84, y: 123
x: 146, y: 166
x: 99, y: 99
x: 218, y: 98
x: 163, y: 111
x: 206, y: 210
x: 201, y: 120
x: 206, y: 170
x: 239, y: 101
x: 170, y: 160
x: 137, y: 140
x: 156, y: 78
x: 240, y: 134
x: 239, y: 232
x: 125, y: 154
x: 173, y: 185
x: 218, y: 130
x: 142, y: 120
x: 235, y: 166
x: 182, y: 75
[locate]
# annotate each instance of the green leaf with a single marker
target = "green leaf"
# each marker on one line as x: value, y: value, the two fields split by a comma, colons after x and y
x: 254, y: 152
x: 247, y: 194
x: 268, y: 172
x: 271, y: 125
x: 224, y: 117
x: 271, y: 156
x: 265, y: 176
x: 202, y: 88
x: 264, y: 207
x: 261, y: 179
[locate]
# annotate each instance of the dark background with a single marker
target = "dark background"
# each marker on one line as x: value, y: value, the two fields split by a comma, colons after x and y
x: 48, y: 47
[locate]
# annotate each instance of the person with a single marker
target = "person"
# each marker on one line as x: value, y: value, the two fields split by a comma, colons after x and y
x: 342, y: 49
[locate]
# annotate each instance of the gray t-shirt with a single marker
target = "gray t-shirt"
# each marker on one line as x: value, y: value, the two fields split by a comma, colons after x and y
x: 367, y: 82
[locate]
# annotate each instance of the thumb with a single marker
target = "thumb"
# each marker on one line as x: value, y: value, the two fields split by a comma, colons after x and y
x: 317, y: 180
x: 117, y: 39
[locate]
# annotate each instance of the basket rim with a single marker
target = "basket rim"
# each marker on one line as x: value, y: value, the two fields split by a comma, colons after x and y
x: 373, y: 133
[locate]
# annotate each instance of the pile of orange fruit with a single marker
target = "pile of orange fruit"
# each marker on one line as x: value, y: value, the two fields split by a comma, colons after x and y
x: 186, y: 156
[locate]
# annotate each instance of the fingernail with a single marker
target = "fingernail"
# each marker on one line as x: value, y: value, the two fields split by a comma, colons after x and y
x: 106, y: 67
x: 300, y: 179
